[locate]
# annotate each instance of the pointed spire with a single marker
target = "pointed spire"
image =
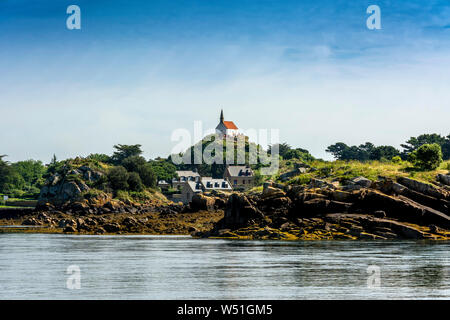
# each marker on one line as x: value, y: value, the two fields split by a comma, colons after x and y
x: 221, y: 115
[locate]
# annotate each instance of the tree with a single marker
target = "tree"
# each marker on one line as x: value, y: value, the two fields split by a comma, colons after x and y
x: 124, y: 151
x: 139, y: 165
x: 366, y: 150
x: 283, y: 149
x: 426, y: 157
x: 30, y: 170
x: 118, y: 178
x: 133, y: 163
x: 53, y: 166
x: 100, y: 157
x: 446, y: 148
x: 298, y: 153
x: 363, y: 152
x: 337, y: 150
x: 287, y: 152
x: 386, y: 152
x: 54, y: 160
x: 147, y: 175
x: 415, y: 142
x: 11, y: 182
x: 135, y: 182
x: 163, y: 169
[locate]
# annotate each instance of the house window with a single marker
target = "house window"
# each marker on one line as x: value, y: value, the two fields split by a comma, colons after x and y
x: 235, y: 181
x: 243, y: 181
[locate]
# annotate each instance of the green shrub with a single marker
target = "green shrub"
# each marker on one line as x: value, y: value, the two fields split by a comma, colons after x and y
x: 396, y: 159
x: 92, y: 193
x: 135, y: 182
x: 123, y: 195
x: 426, y: 157
x: 140, y: 195
x: 118, y: 178
x: 301, y: 179
x: 147, y: 175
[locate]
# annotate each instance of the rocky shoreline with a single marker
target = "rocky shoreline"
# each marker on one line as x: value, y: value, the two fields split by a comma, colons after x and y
x: 145, y: 222
x: 360, y: 209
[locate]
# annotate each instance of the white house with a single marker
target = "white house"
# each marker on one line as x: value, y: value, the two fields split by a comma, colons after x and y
x: 210, y: 184
x: 226, y: 128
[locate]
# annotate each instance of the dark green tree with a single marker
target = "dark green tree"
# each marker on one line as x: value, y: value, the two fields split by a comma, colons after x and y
x: 164, y: 169
x: 135, y: 182
x: 124, y: 151
x: 426, y: 157
x: 363, y: 152
x: 384, y: 152
x: 118, y: 178
x: 132, y: 163
x: 415, y: 142
x: 147, y: 175
x: 338, y: 150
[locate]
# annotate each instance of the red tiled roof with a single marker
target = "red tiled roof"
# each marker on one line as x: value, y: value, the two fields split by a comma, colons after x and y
x: 229, y: 125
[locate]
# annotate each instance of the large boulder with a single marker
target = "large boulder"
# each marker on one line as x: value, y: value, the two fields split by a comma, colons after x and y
x: 424, y: 199
x: 321, y: 206
x: 61, y: 193
x: 444, y: 178
x: 287, y: 175
x: 271, y: 192
x: 201, y: 202
x: 424, y: 188
x: 362, y: 181
x: 240, y: 211
x: 111, y: 227
x: 403, y: 208
x: 68, y: 185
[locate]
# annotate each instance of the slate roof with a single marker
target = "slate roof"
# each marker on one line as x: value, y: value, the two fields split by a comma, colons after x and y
x: 187, y: 173
x: 240, y: 171
x: 195, y: 186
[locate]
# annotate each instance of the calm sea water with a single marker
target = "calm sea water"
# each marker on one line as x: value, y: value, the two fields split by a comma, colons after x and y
x: 34, y: 266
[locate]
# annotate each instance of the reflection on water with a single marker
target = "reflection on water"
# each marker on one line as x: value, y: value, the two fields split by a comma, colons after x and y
x: 33, y: 266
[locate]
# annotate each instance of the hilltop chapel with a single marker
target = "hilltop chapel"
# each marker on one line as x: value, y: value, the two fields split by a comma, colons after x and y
x: 226, y: 128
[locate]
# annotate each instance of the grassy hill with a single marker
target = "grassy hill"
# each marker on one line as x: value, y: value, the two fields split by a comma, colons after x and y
x: 345, y: 170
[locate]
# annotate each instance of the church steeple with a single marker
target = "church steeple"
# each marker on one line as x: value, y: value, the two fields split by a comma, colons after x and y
x: 221, y: 115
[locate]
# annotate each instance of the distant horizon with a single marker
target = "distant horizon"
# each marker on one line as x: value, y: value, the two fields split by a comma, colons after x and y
x: 136, y: 71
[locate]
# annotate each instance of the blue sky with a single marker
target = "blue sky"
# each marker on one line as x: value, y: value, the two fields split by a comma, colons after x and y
x: 137, y: 70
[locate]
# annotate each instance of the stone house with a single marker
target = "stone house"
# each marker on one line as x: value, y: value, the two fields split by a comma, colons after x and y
x: 184, y: 176
x: 240, y: 177
x: 206, y: 184
x: 188, y: 189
